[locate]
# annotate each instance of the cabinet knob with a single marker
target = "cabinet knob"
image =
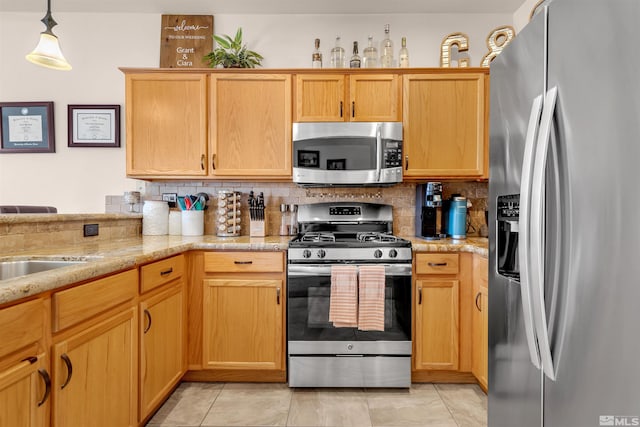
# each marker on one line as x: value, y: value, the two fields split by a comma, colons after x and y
x: 353, y: 108
x: 419, y: 295
x: 213, y: 161
x: 202, y: 159
x: 406, y: 162
x: 477, y: 298
x: 340, y: 108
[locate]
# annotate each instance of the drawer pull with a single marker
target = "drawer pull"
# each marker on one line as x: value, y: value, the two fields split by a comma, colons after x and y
x: 169, y: 271
x: 477, y: 298
x: 147, y: 315
x: 278, y: 296
x: 419, y: 296
x: 47, y: 384
x: 437, y: 264
x: 67, y: 362
x: 243, y: 262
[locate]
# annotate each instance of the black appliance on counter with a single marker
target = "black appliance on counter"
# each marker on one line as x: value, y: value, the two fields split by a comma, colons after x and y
x: 429, y: 217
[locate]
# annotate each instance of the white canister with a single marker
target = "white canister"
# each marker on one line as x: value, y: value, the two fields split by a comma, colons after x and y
x: 193, y: 223
x: 155, y: 218
x: 175, y: 223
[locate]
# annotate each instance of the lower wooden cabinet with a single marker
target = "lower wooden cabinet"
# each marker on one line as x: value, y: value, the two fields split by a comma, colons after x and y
x: 437, y: 341
x: 442, y: 317
x: 24, y: 392
x: 95, y: 353
x: 95, y: 374
x: 243, y: 324
x: 480, y: 345
x: 162, y: 345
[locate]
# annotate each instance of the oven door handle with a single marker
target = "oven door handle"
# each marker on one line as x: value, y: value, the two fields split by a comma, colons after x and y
x: 325, y: 270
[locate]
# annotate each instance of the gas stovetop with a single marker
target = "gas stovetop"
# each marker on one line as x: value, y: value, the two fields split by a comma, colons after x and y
x: 347, y: 233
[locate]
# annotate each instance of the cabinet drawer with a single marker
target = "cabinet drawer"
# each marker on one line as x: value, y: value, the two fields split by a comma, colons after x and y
x: 21, y: 325
x: 437, y: 263
x: 82, y: 302
x: 244, y: 262
x: 161, y: 272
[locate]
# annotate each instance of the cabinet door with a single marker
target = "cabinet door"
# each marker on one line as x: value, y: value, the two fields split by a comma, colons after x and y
x: 95, y: 374
x: 320, y: 98
x: 251, y: 125
x: 444, y: 125
x: 24, y: 393
x: 480, y: 321
x: 243, y: 324
x: 166, y: 122
x: 436, y: 325
x: 374, y: 98
x: 162, y: 346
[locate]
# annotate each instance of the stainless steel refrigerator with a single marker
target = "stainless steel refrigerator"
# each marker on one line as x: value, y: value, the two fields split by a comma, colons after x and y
x: 564, y: 196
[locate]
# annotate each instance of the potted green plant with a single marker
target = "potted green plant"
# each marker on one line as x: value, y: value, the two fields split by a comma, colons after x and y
x: 232, y: 53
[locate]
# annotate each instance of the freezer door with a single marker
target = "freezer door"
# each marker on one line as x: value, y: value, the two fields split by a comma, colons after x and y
x: 517, y: 78
x: 591, y: 277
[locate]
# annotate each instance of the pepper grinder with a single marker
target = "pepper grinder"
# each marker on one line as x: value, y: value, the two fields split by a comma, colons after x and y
x: 293, y: 220
x: 284, y: 220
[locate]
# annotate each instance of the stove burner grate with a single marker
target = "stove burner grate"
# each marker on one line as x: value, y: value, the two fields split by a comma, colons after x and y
x: 375, y: 237
x: 318, y: 237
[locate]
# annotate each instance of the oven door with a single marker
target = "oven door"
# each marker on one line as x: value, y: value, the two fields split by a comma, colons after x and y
x: 310, y: 331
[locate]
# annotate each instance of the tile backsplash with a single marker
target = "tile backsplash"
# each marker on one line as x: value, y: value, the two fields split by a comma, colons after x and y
x: 402, y: 197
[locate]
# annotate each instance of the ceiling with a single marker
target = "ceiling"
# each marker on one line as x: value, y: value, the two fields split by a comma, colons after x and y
x: 265, y: 6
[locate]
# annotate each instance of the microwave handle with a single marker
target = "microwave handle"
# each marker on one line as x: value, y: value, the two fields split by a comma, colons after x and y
x: 379, y: 152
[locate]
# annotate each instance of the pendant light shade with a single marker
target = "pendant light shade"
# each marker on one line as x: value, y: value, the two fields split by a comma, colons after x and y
x: 47, y: 53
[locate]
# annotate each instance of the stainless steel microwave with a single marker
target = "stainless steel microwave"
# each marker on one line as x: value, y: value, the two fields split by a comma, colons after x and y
x: 347, y: 153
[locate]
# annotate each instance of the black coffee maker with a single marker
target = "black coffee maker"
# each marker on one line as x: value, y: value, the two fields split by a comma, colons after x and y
x: 429, y: 210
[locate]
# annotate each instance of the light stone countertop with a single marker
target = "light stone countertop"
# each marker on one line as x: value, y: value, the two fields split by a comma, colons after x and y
x: 108, y: 257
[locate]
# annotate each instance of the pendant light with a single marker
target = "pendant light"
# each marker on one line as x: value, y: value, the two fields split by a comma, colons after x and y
x: 47, y: 53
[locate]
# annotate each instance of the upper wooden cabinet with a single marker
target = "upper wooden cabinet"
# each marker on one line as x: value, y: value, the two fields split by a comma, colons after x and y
x: 166, y: 123
x: 354, y: 97
x: 250, y: 125
x: 444, y: 121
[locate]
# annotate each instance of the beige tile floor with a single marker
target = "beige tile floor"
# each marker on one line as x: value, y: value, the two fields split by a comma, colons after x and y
x: 250, y: 404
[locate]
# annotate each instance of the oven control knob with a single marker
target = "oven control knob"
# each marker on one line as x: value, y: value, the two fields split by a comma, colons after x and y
x: 393, y: 253
x: 306, y: 253
x: 377, y: 253
x: 321, y: 253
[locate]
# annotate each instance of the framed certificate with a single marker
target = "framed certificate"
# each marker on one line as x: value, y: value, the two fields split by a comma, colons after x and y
x: 94, y: 125
x: 27, y: 127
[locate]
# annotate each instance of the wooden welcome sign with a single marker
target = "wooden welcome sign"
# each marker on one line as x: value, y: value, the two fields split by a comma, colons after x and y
x: 186, y: 39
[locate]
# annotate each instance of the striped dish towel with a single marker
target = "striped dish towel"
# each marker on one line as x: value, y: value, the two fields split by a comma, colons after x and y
x: 343, y: 303
x: 371, y: 308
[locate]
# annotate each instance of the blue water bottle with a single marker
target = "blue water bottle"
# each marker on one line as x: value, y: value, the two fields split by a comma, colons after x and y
x: 458, y: 218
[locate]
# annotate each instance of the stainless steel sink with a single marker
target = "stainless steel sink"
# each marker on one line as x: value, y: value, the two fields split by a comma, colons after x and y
x: 16, y: 268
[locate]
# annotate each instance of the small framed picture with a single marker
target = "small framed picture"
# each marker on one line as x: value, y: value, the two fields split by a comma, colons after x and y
x: 94, y: 125
x: 308, y: 159
x: 27, y: 127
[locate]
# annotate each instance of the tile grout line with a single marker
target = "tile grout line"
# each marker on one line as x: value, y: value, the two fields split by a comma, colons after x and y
x: 212, y: 402
x: 445, y: 404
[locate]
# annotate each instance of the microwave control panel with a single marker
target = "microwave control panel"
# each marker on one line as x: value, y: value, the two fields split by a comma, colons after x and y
x: 392, y: 154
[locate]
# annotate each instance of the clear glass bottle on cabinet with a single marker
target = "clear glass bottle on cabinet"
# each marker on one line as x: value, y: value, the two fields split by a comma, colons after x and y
x: 403, y: 57
x: 370, y: 55
x: 316, y: 56
x: 337, y: 55
x: 355, y: 58
x: 386, y: 49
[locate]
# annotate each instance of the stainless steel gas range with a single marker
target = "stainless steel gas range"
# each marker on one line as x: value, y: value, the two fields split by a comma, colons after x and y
x: 321, y: 354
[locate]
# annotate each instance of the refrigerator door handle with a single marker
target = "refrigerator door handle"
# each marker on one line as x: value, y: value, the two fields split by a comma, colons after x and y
x: 523, y: 229
x: 538, y: 230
